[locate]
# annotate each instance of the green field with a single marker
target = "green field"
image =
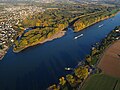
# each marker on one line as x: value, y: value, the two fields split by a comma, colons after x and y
x: 101, y: 82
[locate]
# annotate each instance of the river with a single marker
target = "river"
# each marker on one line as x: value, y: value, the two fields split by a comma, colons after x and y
x: 40, y: 66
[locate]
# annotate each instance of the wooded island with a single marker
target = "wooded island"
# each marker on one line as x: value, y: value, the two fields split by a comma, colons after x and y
x: 53, y: 22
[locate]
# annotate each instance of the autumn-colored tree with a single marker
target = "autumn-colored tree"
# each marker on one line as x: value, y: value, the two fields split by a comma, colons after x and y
x: 70, y: 78
x: 54, y: 87
x: 61, y: 27
x: 23, y: 42
x: 62, y: 81
x: 81, y: 72
x: 88, y: 58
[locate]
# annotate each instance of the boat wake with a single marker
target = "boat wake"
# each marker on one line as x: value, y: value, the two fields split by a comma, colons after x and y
x: 101, y: 25
x: 78, y: 36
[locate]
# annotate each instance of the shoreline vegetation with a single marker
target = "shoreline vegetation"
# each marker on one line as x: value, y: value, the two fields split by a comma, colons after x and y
x: 77, y: 26
x: 89, y: 67
x: 53, y: 24
x: 3, y: 51
x: 57, y: 35
x: 80, y: 25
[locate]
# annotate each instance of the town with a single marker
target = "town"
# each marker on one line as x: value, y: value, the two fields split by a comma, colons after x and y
x: 11, y: 15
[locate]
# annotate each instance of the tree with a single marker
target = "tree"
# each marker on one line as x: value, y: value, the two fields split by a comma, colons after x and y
x: 37, y: 24
x: 94, y: 51
x: 81, y: 72
x: 70, y: 79
x: 1, y: 46
x: 49, y: 34
x: 23, y: 42
x: 88, y: 58
x: 54, y: 87
x: 62, y: 81
x: 61, y: 27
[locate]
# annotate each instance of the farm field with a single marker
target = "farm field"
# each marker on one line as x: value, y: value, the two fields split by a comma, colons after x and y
x: 110, y: 62
x: 101, y: 82
x: 118, y: 86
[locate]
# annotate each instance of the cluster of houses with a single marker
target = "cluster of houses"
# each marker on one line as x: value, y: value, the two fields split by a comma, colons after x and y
x: 11, y: 15
x: 118, y: 34
x: 6, y: 37
x: 22, y: 11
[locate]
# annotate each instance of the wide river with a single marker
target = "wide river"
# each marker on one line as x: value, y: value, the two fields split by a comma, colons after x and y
x: 40, y: 66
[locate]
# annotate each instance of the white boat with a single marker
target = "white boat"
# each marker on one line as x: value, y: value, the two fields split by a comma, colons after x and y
x: 68, y: 69
x: 78, y: 36
x: 100, y: 25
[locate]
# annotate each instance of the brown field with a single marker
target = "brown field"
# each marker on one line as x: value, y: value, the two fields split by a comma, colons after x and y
x: 110, y: 61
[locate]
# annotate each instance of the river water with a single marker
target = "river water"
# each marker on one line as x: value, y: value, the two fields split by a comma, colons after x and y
x: 40, y: 66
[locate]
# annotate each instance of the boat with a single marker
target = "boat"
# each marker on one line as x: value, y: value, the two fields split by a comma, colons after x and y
x: 100, y: 25
x: 78, y: 36
x: 68, y: 69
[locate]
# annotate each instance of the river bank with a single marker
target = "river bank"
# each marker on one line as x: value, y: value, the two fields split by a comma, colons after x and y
x: 89, y: 65
x: 3, y: 51
x: 78, y: 25
x: 108, y: 66
x: 60, y: 34
x: 55, y: 36
x: 105, y: 53
x: 45, y: 64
